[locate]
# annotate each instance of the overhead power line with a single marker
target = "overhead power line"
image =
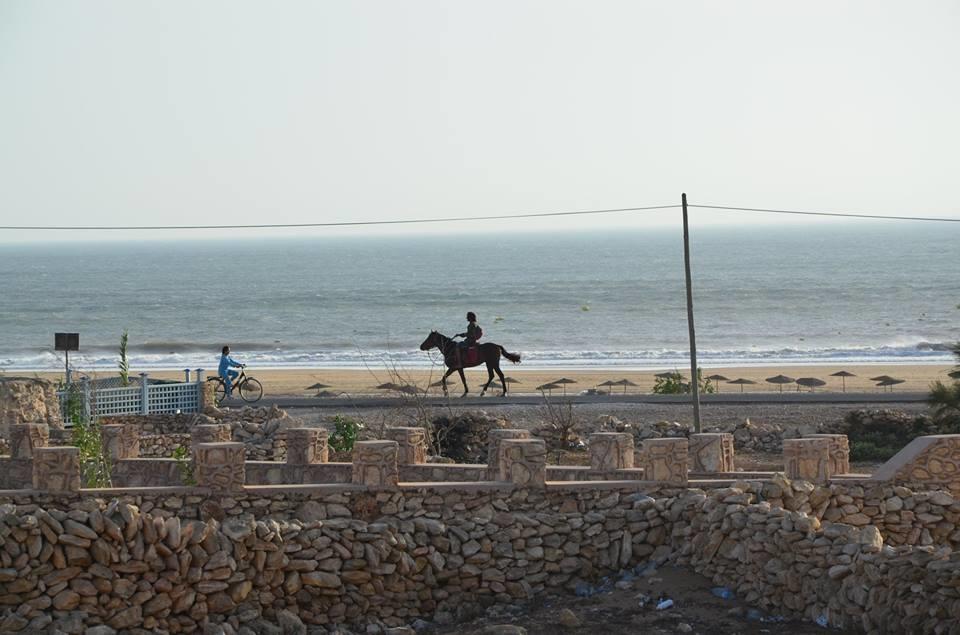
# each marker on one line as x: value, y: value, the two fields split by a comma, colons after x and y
x: 836, y: 214
x: 422, y: 221
x: 406, y: 221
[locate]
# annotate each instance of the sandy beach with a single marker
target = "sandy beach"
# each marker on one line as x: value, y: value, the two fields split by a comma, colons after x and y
x: 289, y: 382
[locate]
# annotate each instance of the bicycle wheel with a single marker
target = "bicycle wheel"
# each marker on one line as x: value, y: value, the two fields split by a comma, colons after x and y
x: 219, y: 393
x: 250, y: 390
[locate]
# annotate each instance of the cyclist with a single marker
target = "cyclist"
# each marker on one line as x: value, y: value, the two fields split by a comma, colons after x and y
x: 226, y: 363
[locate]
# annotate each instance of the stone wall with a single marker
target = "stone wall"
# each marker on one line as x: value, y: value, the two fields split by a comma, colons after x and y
x: 28, y: 400
x: 176, y: 559
x: 787, y: 562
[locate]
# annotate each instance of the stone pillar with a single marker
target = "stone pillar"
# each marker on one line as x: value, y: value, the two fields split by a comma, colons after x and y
x: 56, y: 469
x: 206, y: 392
x: 412, y: 444
x: 839, y: 452
x: 375, y: 463
x: 120, y: 441
x: 28, y: 400
x: 211, y: 433
x: 220, y: 466
x: 711, y: 452
x: 807, y: 459
x: 307, y: 445
x: 611, y: 451
x: 25, y: 437
x: 523, y: 462
x: 494, y: 438
x: 665, y: 460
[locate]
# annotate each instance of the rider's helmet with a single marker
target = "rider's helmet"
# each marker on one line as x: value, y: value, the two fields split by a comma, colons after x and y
x: 471, y: 316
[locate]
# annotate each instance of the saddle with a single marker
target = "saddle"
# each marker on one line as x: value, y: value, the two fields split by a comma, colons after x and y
x: 464, y: 357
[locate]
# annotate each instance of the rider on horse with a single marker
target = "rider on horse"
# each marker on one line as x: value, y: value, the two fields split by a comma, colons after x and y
x: 471, y: 335
x: 473, y: 332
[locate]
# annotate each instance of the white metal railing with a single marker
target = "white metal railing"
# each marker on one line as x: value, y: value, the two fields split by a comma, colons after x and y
x: 145, y: 398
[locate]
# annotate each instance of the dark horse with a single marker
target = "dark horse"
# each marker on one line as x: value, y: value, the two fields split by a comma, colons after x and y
x: 489, y: 354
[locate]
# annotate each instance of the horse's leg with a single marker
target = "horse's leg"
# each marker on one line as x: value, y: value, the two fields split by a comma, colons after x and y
x: 463, y: 378
x: 503, y: 382
x: 489, y: 379
x: 443, y: 381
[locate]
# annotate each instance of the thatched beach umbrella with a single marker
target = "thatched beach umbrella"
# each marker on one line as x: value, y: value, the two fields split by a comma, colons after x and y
x: 890, y: 382
x: 318, y: 387
x: 810, y: 382
x: 548, y: 387
x: 882, y: 378
x: 780, y: 380
x: 387, y: 386
x: 741, y: 382
x: 717, y: 379
x: 608, y: 384
x: 563, y: 381
x: 669, y: 375
x: 624, y: 382
x: 843, y: 377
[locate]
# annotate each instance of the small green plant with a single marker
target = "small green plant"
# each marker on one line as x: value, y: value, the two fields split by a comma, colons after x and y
x: 346, y: 430
x: 94, y: 463
x: 673, y: 384
x: 124, y: 365
x: 184, y: 465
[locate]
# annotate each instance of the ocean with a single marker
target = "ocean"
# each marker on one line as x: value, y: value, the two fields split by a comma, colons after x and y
x: 819, y: 294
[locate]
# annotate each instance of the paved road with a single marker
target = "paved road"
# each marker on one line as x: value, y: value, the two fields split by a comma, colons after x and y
x: 850, y: 398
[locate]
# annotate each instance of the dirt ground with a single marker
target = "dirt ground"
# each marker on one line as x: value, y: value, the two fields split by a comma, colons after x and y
x: 632, y: 611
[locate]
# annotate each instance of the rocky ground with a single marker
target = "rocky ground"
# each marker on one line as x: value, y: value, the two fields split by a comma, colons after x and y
x: 629, y: 607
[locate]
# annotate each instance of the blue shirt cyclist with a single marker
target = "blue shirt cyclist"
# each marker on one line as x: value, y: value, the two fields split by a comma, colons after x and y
x: 226, y: 363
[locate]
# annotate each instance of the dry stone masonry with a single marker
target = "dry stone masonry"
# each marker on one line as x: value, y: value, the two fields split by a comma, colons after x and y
x: 25, y: 437
x: 220, y: 466
x: 411, y: 442
x: 56, y: 469
x: 611, y: 451
x: 711, y: 453
x: 305, y: 541
x: 665, y: 460
x: 28, y: 400
x: 494, y: 437
x: 807, y: 459
x: 523, y: 462
x: 839, y: 452
x: 375, y: 463
x: 307, y: 445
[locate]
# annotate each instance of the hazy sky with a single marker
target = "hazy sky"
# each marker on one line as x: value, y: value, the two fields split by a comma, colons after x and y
x: 120, y: 112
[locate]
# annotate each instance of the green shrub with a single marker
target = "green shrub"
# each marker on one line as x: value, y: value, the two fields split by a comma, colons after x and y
x: 346, y: 430
x: 869, y: 451
x: 124, y: 365
x: 94, y: 464
x: 876, y: 435
x: 673, y: 384
x: 184, y: 465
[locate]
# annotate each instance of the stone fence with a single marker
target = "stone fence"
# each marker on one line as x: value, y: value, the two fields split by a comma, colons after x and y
x: 180, y: 558
x: 390, y: 537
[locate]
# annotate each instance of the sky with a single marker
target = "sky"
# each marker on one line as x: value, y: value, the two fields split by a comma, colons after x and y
x: 185, y: 113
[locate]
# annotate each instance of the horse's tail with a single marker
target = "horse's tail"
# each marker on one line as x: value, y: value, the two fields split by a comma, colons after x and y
x: 513, y: 357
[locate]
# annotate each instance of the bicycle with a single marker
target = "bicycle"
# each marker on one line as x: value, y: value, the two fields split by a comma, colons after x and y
x: 249, y: 389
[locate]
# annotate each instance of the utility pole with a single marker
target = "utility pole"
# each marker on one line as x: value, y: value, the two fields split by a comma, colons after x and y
x: 694, y: 384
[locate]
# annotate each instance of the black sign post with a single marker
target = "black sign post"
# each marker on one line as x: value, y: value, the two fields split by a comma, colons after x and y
x: 66, y: 342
